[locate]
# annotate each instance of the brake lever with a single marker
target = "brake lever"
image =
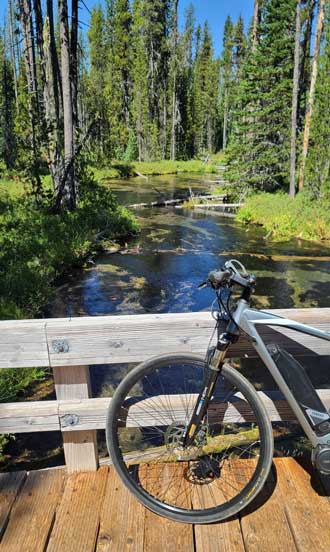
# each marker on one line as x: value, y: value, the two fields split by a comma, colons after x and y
x: 202, y: 285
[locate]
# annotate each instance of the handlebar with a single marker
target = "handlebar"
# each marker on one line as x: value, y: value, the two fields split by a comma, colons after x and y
x: 233, y: 272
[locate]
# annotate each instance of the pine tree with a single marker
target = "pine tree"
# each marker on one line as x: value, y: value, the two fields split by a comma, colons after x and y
x: 239, y: 52
x: 226, y: 71
x: 318, y: 159
x: 174, y: 65
x: 205, y: 91
x: 140, y: 105
x: 7, y: 107
x: 151, y: 22
x: 261, y: 150
x: 96, y: 105
x: 119, y: 81
x: 295, y: 95
x: 311, y: 96
x: 185, y: 87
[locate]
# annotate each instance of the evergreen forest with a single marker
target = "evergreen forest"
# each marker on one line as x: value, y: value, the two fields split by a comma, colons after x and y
x: 142, y: 90
x: 135, y: 86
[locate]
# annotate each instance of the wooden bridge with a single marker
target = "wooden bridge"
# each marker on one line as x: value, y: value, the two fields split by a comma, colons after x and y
x: 61, y: 509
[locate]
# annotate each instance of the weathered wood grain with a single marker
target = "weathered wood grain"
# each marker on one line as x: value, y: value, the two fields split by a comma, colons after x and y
x: 96, y: 513
x: 307, y: 512
x: 162, y: 534
x: 10, y: 484
x: 219, y: 537
x: 121, y: 519
x: 33, y: 512
x: 90, y: 414
x: 78, y: 516
x: 23, y: 343
x: 264, y: 524
x: 29, y: 417
x: 116, y: 339
x: 80, y: 447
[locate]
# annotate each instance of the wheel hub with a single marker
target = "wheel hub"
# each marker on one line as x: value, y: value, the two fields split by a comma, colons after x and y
x: 174, y: 437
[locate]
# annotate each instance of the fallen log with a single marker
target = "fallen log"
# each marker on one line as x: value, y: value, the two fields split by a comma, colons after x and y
x: 169, y: 202
x: 213, y: 205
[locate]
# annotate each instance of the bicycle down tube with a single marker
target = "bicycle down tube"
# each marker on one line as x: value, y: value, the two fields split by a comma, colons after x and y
x: 314, y: 421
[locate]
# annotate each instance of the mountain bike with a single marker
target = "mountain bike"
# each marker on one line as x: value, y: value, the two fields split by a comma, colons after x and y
x: 190, y: 436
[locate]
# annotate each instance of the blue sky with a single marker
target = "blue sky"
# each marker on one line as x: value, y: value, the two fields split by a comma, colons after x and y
x: 215, y: 11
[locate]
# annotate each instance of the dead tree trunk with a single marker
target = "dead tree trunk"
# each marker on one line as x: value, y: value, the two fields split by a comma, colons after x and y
x: 225, y: 120
x: 54, y: 68
x: 74, y: 65
x: 310, y: 103
x: 295, y: 92
x: 12, y: 49
x: 50, y: 94
x: 175, y: 107
x: 256, y: 16
x: 68, y: 199
x: 304, y: 78
x: 25, y: 14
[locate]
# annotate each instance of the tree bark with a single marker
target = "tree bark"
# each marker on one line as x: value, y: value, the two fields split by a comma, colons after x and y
x: 74, y: 64
x: 256, y: 20
x: 304, y: 79
x: 295, y: 92
x: 311, y: 98
x: 69, y: 192
x: 12, y: 49
x: 174, y: 89
x: 54, y: 64
x: 225, y: 120
x: 51, y: 124
x: 25, y: 14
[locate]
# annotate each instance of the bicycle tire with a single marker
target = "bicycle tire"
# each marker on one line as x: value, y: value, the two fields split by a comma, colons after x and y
x: 134, y: 472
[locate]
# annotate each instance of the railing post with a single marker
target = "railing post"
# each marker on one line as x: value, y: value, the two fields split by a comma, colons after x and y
x: 80, y: 447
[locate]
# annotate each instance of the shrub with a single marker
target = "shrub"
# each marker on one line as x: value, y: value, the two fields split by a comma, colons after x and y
x: 284, y: 217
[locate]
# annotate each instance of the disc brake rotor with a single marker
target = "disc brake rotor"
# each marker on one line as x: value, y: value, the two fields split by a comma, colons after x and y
x: 173, y: 440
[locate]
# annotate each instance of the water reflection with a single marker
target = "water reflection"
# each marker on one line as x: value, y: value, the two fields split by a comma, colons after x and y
x: 160, y: 269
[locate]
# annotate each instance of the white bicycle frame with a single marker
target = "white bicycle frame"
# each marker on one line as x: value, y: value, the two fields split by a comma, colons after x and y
x: 247, y: 319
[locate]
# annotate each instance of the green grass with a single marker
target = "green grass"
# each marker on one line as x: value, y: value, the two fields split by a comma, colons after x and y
x: 16, y: 187
x: 37, y: 247
x: 154, y: 168
x: 284, y: 218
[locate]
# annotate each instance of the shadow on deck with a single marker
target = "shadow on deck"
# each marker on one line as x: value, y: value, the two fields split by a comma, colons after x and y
x: 87, y: 512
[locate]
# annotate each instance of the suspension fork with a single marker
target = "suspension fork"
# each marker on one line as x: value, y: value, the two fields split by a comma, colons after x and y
x: 212, y: 371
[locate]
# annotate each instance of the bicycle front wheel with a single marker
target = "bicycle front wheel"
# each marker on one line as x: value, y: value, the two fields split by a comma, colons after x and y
x: 220, y: 472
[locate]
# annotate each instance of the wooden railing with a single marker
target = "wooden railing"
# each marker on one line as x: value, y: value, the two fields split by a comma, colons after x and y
x: 69, y: 347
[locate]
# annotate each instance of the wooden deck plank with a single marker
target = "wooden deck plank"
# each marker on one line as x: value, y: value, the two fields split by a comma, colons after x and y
x: 10, y: 485
x: 33, y: 512
x: 162, y: 534
x: 308, y: 513
x: 122, y: 519
x: 264, y: 524
x: 218, y: 537
x: 78, y: 516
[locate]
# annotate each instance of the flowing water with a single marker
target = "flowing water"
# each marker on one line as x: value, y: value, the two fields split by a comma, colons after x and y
x: 159, y: 270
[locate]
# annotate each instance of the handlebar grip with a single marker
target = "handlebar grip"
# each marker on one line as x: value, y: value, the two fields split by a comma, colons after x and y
x: 217, y: 277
